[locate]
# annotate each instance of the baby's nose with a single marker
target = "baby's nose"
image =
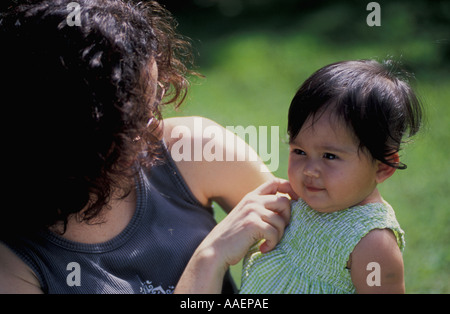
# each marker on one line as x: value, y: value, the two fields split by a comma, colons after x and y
x: 311, y: 170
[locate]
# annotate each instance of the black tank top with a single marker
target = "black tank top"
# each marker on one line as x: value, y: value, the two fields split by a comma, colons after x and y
x: 148, y: 256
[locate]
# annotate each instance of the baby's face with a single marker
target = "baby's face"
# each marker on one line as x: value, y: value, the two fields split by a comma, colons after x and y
x: 327, y: 170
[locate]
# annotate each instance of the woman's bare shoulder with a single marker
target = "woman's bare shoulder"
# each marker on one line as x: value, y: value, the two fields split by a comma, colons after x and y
x: 15, y: 275
x: 216, y: 164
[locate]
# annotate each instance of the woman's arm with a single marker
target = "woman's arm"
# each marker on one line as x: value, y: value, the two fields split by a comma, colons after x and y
x: 225, y: 182
x: 261, y: 214
x: 241, y: 184
x: 15, y: 275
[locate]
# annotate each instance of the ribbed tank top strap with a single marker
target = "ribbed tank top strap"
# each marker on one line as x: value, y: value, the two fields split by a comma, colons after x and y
x: 166, y: 175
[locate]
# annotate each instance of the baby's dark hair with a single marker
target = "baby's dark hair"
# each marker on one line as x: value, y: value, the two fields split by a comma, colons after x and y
x: 374, y: 101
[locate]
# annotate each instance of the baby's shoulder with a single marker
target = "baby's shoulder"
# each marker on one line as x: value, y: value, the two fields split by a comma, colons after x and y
x: 377, y: 251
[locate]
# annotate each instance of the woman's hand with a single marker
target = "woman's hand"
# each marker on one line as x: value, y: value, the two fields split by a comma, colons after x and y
x: 261, y: 214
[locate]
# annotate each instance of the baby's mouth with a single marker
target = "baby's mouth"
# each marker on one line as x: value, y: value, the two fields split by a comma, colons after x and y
x: 313, y: 189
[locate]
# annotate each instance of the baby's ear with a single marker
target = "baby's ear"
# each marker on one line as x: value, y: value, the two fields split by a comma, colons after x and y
x: 384, y: 171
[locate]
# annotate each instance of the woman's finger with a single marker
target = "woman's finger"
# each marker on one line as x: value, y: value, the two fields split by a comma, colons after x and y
x: 275, y: 186
x: 280, y: 205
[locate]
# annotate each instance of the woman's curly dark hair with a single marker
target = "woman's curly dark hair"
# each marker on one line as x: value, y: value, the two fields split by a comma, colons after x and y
x: 79, y: 103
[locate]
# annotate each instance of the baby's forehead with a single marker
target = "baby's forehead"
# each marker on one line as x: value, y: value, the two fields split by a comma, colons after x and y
x: 326, y: 119
x: 329, y: 126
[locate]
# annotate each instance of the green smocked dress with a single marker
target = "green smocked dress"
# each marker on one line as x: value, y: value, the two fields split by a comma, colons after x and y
x: 313, y: 253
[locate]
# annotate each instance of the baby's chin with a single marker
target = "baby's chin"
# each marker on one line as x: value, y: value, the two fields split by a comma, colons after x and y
x: 322, y: 203
x: 323, y: 207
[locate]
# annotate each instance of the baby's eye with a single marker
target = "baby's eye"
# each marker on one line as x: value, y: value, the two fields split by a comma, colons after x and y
x: 298, y: 151
x: 330, y: 156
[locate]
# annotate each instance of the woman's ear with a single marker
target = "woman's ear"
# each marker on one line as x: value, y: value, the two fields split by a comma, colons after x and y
x: 384, y: 171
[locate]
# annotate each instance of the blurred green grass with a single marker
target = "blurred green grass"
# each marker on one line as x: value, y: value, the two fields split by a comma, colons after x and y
x: 253, y: 72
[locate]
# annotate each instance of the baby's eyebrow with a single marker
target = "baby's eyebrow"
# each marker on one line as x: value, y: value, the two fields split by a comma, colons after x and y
x: 339, y: 149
